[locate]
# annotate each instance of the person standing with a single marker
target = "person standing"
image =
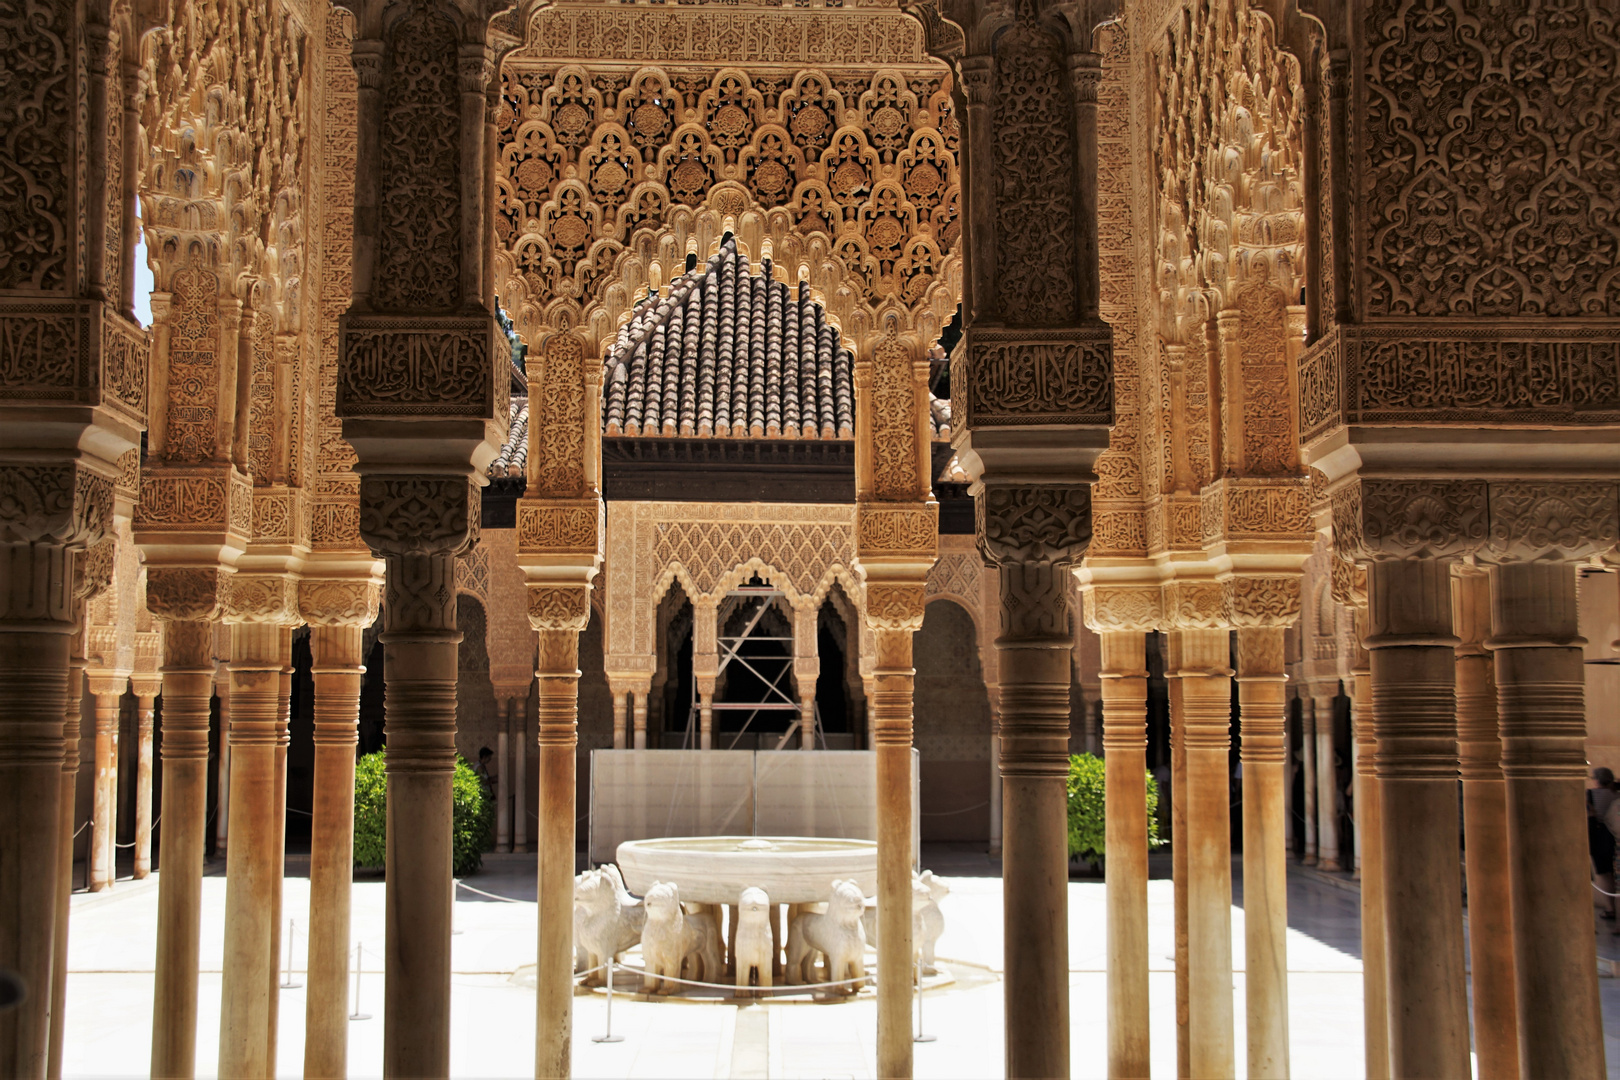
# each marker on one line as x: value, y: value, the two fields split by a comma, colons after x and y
x: 1602, y: 826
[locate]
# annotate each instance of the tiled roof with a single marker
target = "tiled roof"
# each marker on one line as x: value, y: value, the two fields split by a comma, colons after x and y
x: 724, y: 352
x: 730, y: 353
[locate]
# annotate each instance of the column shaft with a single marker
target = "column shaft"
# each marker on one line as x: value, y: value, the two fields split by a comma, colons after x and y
x: 222, y: 812
x: 336, y: 652
x: 278, y: 832
x: 891, y: 740
x: 1370, y: 827
x: 143, y: 786
x: 558, y: 738
x: 72, y: 703
x: 1540, y: 685
x: 244, y: 1025
x: 1485, y: 831
x: 1413, y: 663
x: 1327, y: 787
x: 1307, y: 762
x: 520, y: 774
x: 188, y: 673
x: 621, y: 725
x: 503, y: 780
x: 640, y: 710
x: 1178, y: 846
x: 1124, y: 699
x: 1262, y: 710
x: 104, y: 805
x: 419, y: 669
x: 1206, y: 690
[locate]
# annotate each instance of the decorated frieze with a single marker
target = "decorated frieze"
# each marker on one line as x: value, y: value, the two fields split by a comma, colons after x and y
x: 1014, y: 378
x: 399, y: 367
x: 1259, y: 509
x: 195, y: 498
x: 896, y: 529
x: 560, y: 527
x: 77, y: 352
x: 1482, y: 373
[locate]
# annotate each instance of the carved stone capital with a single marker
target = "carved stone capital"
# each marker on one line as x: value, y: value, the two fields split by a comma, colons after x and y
x: 1349, y: 582
x: 418, y: 514
x: 559, y: 607
x: 1194, y: 605
x: 1133, y: 608
x: 1538, y: 520
x: 338, y: 603
x: 1035, y: 606
x: 897, y: 529
x: 260, y: 598
x: 1046, y: 524
x: 896, y: 606
x: 977, y: 77
x: 1379, y: 518
x: 1085, y: 74
x: 1260, y: 602
x: 186, y: 594
x: 63, y: 502
x: 36, y: 585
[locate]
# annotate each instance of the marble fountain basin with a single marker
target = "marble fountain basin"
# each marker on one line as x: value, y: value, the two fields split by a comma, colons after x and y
x: 716, y: 869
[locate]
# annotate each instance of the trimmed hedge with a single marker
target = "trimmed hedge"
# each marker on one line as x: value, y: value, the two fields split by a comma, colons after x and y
x: 1088, y: 829
x: 473, y: 819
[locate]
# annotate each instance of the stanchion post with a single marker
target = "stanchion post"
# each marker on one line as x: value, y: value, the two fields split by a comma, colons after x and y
x: 359, y: 966
x: 607, y: 1036
x: 286, y: 972
x: 920, y: 1037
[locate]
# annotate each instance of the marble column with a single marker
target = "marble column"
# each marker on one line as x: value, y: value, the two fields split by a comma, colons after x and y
x: 1328, y: 856
x: 1413, y: 663
x: 621, y: 718
x: 250, y: 877
x: 520, y: 773
x: 558, y: 614
x: 222, y: 764
x: 1204, y: 658
x: 503, y: 781
x: 419, y: 668
x: 806, y: 669
x: 278, y: 832
x: 1262, y: 711
x: 895, y: 613
x: 146, y: 692
x: 1540, y: 686
x: 1178, y: 847
x: 336, y: 652
x: 994, y: 693
x: 705, y: 666
x: 1307, y: 764
x: 107, y: 689
x: 1124, y: 699
x: 188, y: 674
x: 1370, y: 828
x: 639, y: 713
x: 1485, y: 829
x: 71, y: 723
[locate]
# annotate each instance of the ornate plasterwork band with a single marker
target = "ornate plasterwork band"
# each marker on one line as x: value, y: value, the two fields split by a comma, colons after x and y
x: 1027, y: 376
x: 712, y: 547
x: 395, y: 367
x: 1484, y: 372
x: 1497, y: 521
x: 72, y: 351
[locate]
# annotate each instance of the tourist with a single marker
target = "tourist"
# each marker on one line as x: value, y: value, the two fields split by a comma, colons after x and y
x: 485, y: 756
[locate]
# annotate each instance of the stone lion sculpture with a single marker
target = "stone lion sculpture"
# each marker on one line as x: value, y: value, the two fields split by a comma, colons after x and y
x: 837, y: 935
x: 607, y: 919
x: 927, y: 921
x: 672, y: 936
x: 753, y: 949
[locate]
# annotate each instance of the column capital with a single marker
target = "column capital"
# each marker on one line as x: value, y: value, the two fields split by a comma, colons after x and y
x: 260, y: 598
x: 1045, y: 523
x: 1123, y: 608
x: 556, y: 608
x: 1272, y: 600
x: 339, y: 602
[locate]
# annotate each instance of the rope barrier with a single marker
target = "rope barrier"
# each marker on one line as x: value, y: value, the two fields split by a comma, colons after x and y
x: 964, y: 810
x: 1605, y: 892
x: 492, y: 896
x: 83, y: 827
x: 793, y: 987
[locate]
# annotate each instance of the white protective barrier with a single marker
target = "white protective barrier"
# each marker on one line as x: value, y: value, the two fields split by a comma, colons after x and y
x: 651, y: 794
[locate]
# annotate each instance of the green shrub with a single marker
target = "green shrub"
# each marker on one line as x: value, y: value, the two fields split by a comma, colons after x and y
x: 1087, y: 800
x: 472, y: 822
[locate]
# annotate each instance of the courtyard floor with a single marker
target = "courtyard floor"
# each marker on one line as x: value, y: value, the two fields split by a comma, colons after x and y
x: 112, y: 945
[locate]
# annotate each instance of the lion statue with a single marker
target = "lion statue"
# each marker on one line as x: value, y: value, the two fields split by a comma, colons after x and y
x: 672, y: 936
x: 837, y: 936
x: 607, y: 919
x: 753, y: 950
